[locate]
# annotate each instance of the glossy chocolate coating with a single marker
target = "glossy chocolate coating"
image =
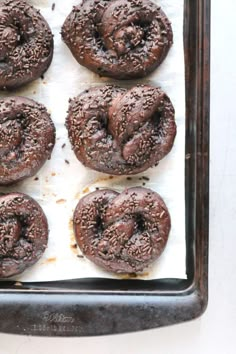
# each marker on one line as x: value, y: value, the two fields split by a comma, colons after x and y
x: 122, y: 233
x: 23, y: 233
x: 26, y: 44
x: 123, y: 39
x: 27, y: 137
x: 118, y: 131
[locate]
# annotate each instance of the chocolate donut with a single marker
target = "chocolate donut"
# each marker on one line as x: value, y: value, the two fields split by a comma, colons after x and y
x: 23, y: 233
x: 123, y: 39
x: 26, y: 44
x: 118, y: 131
x: 27, y: 137
x: 122, y: 233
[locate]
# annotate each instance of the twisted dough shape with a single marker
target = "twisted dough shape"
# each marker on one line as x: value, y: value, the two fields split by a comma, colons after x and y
x: 23, y: 233
x: 122, y: 233
x: 27, y: 137
x: 120, y: 131
x: 26, y: 44
x: 123, y: 39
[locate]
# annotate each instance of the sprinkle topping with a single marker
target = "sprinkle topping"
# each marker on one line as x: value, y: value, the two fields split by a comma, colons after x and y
x: 23, y: 233
x: 122, y: 233
x: 27, y: 137
x: 123, y: 39
x: 120, y: 131
x: 26, y: 44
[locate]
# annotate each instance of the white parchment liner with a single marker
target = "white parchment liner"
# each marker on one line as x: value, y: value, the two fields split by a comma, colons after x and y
x: 60, y: 184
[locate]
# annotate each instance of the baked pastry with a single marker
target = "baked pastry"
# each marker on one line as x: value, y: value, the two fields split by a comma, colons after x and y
x: 122, y: 233
x: 27, y: 137
x: 23, y: 233
x: 26, y: 44
x: 118, y: 131
x: 123, y: 39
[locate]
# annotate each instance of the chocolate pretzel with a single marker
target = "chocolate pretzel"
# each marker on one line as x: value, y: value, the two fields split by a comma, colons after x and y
x: 118, y: 131
x: 26, y: 44
x: 27, y: 137
x: 122, y: 233
x: 23, y: 233
x: 123, y: 39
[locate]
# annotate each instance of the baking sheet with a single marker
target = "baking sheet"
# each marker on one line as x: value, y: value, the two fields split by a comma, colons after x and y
x: 63, y: 179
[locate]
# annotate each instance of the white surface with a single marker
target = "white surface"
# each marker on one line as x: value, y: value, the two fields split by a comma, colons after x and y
x: 214, y: 333
x: 59, y: 199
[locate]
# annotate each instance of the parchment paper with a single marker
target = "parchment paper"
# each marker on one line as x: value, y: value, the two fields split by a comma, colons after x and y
x: 63, y: 179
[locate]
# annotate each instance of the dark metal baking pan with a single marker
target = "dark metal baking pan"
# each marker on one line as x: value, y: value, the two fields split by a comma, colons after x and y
x: 95, y: 307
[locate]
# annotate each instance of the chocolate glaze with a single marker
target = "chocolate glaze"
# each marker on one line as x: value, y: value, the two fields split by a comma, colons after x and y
x: 123, y: 233
x: 23, y: 233
x: 123, y: 39
x: 120, y: 131
x: 26, y: 44
x: 27, y: 137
